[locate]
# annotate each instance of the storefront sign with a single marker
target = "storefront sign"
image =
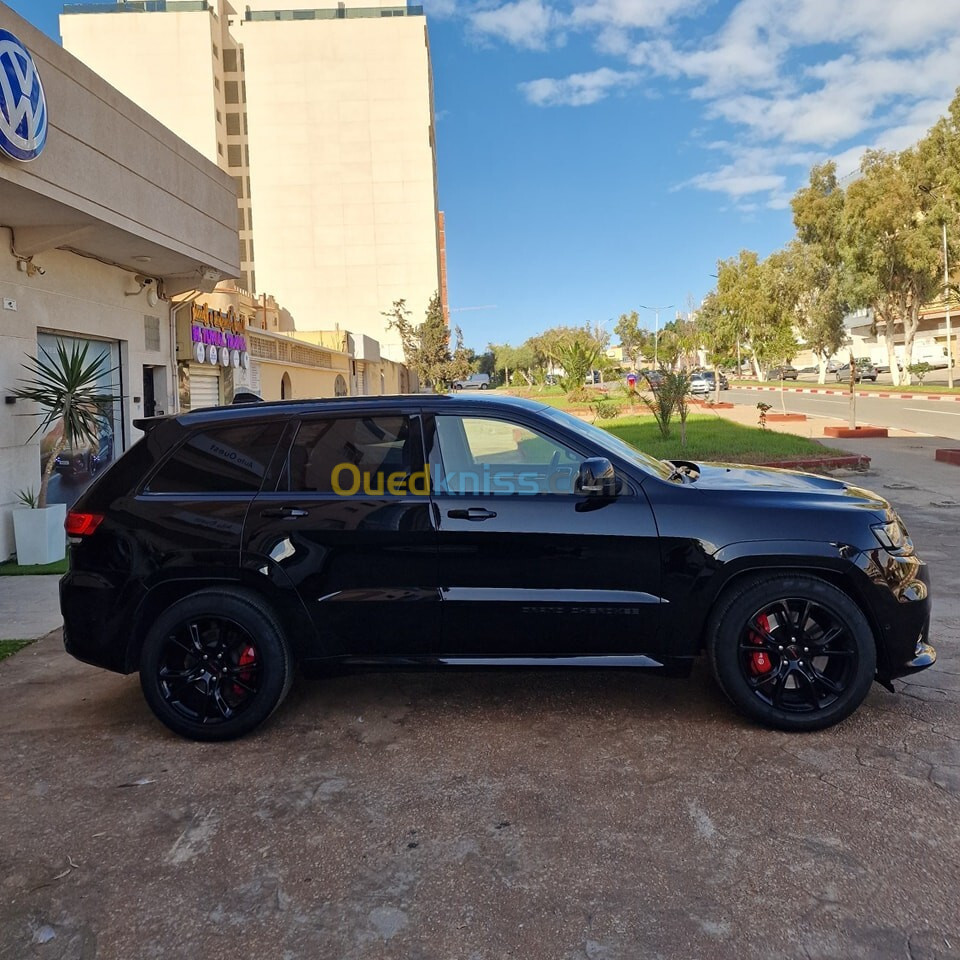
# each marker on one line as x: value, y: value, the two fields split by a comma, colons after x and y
x: 23, y: 107
x: 217, y: 336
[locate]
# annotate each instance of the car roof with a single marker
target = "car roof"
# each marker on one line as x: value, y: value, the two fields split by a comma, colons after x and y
x: 308, y: 407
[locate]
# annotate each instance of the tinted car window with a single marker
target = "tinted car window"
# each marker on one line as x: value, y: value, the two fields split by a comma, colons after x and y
x: 486, y: 456
x: 219, y: 460
x: 335, y: 451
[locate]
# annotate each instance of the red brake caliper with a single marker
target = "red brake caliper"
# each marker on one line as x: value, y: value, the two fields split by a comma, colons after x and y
x: 248, y: 657
x: 760, y: 661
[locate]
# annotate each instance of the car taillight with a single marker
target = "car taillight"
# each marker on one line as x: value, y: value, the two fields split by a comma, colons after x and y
x: 82, y: 524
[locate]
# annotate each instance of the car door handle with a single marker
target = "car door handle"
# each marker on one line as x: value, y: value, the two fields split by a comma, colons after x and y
x: 284, y: 513
x: 472, y: 513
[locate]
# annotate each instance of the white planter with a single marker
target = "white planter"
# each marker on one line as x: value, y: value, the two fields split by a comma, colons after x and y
x: 39, y: 535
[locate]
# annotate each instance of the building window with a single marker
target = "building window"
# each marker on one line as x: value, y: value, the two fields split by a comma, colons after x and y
x: 216, y: 52
x: 151, y: 333
x: 231, y: 91
x: 250, y: 247
x: 219, y: 118
x: 251, y: 282
x: 233, y: 124
x: 241, y: 225
x: 220, y: 149
x: 250, y: 218
x: 243, y: 251
x: 238, y: 182
x: 230, y: 61
x: 216, y: 82
x: 339, y: 386
x: 234, y: 155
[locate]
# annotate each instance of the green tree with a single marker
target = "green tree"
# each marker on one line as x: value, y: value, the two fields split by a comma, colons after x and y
x: 635, y: 340
x: 892, y: 245
x: 716, y: 333
x: 578, y: 357
x: 426, y: 346
x: 816, y: 264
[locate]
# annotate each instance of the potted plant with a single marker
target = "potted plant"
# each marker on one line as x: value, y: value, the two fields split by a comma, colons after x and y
x: 68, y: 390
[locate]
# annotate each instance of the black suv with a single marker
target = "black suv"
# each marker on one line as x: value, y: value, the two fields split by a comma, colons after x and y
x: 229, y: 544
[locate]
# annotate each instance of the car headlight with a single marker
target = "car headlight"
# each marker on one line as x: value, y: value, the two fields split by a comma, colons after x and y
x: 893, y: 536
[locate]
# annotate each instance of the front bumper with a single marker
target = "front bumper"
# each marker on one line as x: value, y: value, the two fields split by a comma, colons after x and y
x: 924, y: 656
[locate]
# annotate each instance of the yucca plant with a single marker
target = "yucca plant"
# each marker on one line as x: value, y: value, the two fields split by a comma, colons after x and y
x: 67, y: 388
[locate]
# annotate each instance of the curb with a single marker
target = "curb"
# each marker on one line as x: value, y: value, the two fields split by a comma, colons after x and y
x: 846, y: 433
x: 853, y: 462
x: 949, y: 456
x: 862, y: 393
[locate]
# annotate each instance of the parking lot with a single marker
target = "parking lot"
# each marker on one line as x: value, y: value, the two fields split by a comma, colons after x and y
x: 468, y: 815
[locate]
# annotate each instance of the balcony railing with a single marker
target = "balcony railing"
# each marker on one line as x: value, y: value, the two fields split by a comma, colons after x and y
x: 139, y: 6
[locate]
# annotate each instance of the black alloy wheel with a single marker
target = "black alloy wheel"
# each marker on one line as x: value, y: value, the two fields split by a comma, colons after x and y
x: 215, y: 665
x: 793, y: 652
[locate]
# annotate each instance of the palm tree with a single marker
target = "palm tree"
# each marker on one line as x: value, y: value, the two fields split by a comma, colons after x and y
x: 69, y: 392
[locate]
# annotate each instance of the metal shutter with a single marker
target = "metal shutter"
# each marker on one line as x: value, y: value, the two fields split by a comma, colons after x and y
x: 204, y: 389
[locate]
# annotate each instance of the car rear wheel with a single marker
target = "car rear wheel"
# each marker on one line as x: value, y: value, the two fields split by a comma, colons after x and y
x: 215, y: 665
x: 791, y: 651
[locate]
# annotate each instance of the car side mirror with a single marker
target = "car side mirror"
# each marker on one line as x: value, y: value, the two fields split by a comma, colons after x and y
x: 597, y: 477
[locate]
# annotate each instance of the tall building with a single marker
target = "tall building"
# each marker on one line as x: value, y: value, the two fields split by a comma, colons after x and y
x: 323, y: 116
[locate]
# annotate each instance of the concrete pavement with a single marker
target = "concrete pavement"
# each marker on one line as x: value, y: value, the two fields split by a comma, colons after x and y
x: 29, y: 607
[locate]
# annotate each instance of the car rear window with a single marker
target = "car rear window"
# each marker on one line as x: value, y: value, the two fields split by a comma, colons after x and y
x: 219, y: 460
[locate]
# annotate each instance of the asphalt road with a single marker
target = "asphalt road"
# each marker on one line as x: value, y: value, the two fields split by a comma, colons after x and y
x: 940, y: 418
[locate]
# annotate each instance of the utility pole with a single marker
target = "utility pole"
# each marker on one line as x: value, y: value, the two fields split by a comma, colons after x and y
x: 946, y: 300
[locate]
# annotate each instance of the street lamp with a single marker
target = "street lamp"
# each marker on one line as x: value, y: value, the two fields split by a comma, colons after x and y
x: 656, y: 331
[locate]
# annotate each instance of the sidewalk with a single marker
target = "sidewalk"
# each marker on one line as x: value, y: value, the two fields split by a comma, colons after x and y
x: 29, y: 607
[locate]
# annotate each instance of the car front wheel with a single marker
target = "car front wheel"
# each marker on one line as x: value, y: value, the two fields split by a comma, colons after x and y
x: 791, y: 651
x: 215, y: 664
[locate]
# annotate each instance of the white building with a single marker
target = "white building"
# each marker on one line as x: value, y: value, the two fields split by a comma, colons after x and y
x: 323, y: 116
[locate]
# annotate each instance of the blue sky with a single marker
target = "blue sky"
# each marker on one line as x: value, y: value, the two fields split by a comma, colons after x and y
x: 599, y: 155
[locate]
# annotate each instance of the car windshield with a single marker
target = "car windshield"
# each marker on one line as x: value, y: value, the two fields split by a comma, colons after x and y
x: 607, y: 441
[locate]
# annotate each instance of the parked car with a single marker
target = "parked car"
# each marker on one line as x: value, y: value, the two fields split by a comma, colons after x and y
x: 708, y: 376
x: 700, y: 384
x: 228, y: 545
x: 864, y: 371
x: 476, y: 381
x: 653, y: 378
x: 784, y: 371
x: 76, y: 464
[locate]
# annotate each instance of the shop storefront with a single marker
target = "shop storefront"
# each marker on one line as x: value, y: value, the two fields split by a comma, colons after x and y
x: 106, y: 218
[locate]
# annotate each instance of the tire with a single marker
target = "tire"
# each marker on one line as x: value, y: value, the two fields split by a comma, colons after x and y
x: 755, y: 651
x: 182, y: 665
x: 483, y: 386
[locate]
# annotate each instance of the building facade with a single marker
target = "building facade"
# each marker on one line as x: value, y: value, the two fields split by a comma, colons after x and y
x: 99, y: 229
x: 324, y: 118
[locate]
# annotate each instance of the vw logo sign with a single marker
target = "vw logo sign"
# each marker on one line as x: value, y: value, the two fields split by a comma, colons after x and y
x: 23, y: 107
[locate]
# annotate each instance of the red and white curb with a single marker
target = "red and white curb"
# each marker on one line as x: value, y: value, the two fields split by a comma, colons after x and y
x: 860, y: 393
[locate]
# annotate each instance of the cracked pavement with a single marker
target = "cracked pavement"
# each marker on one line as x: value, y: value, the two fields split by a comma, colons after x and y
x: 568, y: 815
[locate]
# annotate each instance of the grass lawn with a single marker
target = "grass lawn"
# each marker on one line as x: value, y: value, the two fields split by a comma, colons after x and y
x: 11, y: 569
x: 10, y: 647
x: 712, y: 438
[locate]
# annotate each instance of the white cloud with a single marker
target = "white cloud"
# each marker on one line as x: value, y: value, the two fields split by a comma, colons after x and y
x: 579, y: 89
x: 524, y: 23
x: 631, y: 13
x: 788, y: 79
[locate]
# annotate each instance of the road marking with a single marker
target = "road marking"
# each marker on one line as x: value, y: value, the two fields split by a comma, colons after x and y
x: 949, y: 413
